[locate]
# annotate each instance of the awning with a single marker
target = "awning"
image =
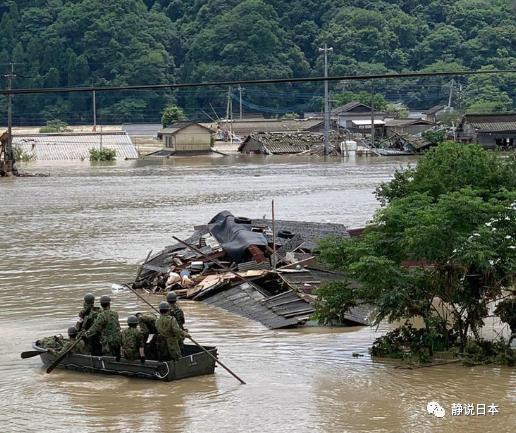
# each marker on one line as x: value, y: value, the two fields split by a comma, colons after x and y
x: 377, y: 122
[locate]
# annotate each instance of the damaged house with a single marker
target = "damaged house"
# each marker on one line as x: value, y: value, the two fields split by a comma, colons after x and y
x: 242, y: 266
x: 281, y: 143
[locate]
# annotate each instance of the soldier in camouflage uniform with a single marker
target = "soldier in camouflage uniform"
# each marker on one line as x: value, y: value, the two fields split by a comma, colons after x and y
x: 88, y: 313
x: 175, y: 310
x: 147, y: 324
x: 170, y: 334
x: 80, y: 348
x: 106, y: 325
x: 132, y: 341
x: 87, y: 316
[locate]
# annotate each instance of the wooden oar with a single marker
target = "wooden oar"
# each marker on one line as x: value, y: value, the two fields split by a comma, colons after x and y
x: 190, y: 338
x: 31, y: 353
x: 62, y: 356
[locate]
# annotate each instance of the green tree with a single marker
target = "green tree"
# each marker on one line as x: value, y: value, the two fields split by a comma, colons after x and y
x: 364, y: 97
x: 442, y: 248
x: 172, y: 114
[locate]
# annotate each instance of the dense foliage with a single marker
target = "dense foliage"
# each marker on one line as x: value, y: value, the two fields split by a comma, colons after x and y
x: 104, y: 154
x: 112, y: 42
x: 441, y: 250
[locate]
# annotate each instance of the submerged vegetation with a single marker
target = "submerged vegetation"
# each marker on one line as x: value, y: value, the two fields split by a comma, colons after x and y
x: 103, y: 154
x: 21, y: 155
x: 440, y: 250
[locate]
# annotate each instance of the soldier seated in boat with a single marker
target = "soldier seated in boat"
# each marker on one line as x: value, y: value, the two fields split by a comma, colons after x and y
x: 147, y: 325
x: 107, y: 327
x: 79, y: 348
x: 52, y: 344
x: 132, y: 341
x: 170, y: 334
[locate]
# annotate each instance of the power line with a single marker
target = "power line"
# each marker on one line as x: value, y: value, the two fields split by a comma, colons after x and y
x: 249, y: 82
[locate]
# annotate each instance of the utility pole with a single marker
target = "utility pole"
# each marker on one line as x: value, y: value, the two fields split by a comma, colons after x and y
x: 372, y: 116
x: 452, y: 83
x: 94, y: 111
x: 240, y: 93
x: 8, y: 149
x: 326, y: 50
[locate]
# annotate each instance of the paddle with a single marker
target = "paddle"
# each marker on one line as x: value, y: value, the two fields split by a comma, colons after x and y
x: 62, y: 356
x: 190, y: 338
x: 31, y: 353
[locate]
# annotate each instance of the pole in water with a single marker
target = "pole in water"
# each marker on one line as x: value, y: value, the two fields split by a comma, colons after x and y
x: 273, y: 238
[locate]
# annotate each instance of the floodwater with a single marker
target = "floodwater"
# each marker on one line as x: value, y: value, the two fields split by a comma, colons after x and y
x: 86, y: 227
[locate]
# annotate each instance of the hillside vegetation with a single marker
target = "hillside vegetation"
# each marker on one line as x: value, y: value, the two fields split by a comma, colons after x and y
x: 112, y: 42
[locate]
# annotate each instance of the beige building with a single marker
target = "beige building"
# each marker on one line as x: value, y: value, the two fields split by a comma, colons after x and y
x: 186, y: 137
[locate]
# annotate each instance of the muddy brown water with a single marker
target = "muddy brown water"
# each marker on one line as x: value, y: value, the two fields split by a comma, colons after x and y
x: 85, y: 227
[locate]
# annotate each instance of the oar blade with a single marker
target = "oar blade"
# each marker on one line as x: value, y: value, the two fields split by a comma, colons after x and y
x: 30, y: 354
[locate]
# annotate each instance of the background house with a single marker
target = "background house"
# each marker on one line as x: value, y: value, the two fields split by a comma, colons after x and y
x: 407, y: 126
x: 490, y: 130
x: 245, y: 127
x: 186, y: 137
x: 355, y: 115
x: 432, y: 113
x: 277, y: 143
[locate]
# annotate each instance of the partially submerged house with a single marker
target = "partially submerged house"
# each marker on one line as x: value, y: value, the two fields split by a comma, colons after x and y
x: 238, y: 264
x: 492, y: 130
x: 185, y: 137
x: 74, y: 146
x: 407, y: 126
x: 245, y: 127
x: 278, y: 143
x: 356, y: 115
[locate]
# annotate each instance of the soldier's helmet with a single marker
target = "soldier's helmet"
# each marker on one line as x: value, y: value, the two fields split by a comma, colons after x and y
x: 163, y: 306
x: 72, y: 331
x: 171, y: 297
x: 132, y: 320
x: 105, y: 300
x: 89, y: 299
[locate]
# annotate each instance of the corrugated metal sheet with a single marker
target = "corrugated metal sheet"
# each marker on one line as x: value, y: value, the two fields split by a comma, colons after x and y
x: 62, y: 147
x: 281, y: 311
x: 494, y: 126
x: 142, y: 129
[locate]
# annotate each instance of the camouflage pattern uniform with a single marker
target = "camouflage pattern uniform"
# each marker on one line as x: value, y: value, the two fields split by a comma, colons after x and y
x: 170, y: 337
x: 147, y: 324
x: 87, y: 317
x: 132, y: 341
x: 54, y: 342
x: 107, y: 326
x: 80, y: 348
x: 177, y: 312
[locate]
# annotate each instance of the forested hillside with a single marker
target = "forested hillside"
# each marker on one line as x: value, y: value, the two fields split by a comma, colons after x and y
x: 85, y: 42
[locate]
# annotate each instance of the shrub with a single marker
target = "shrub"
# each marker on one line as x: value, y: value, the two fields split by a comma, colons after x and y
x: 55, y: 126
x: 103, y: 154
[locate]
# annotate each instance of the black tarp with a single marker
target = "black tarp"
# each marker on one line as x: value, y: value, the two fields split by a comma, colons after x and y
x: 234, y: 238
